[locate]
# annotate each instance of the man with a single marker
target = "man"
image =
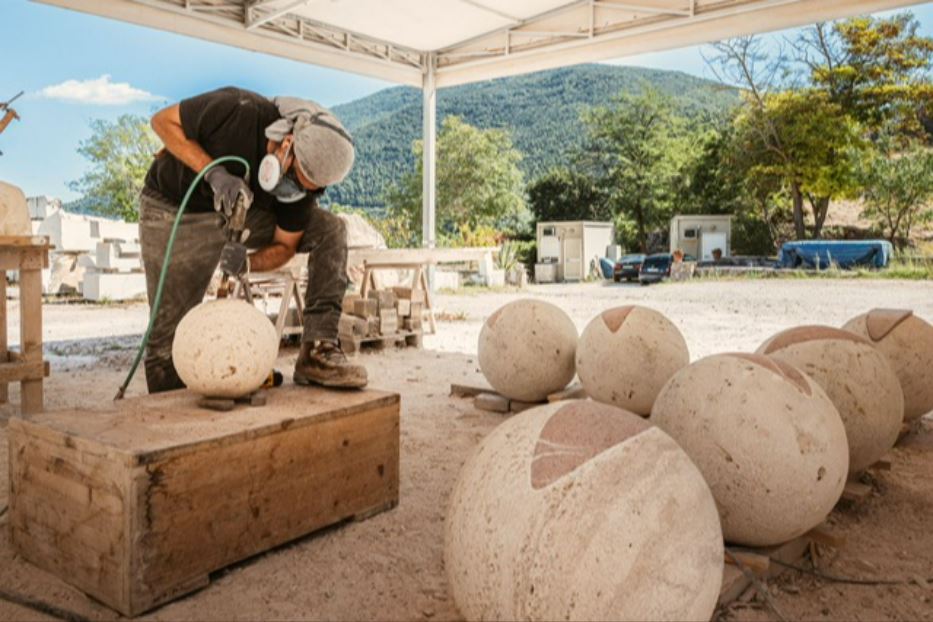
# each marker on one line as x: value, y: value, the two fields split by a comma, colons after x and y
x: 303, y: 149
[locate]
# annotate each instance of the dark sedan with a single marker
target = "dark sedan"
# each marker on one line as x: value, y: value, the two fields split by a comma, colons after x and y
x: 655, y: 268
x: 627, y: 268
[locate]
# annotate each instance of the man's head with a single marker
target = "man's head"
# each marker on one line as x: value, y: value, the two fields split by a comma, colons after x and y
x: 717, y: 254
x: 310, y: 143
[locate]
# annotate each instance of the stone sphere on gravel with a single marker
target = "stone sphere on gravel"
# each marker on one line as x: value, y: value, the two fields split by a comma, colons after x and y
x: 766, y: 437
x: 626, y: 354
x: 578, y: 510
x: 907, y: 341
x: 526, y: 350
x: 224, y: 348
x: 858, y: 379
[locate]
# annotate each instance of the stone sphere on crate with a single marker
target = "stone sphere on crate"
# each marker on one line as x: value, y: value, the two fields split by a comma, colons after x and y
x: 526, y: 350
x: 907, y: 341
x: 224, y: 348
x: 626, y: 354
x: 578, y: 510
x: 766, y: 437
x: 858, y: 379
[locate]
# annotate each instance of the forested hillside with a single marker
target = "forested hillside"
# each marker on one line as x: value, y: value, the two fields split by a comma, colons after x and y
x: 541, y: 111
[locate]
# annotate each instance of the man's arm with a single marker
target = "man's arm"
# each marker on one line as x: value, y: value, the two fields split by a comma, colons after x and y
x: 283, y: 247
x: 167, y: 125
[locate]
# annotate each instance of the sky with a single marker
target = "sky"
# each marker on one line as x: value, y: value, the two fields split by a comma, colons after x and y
x: 76, y: 68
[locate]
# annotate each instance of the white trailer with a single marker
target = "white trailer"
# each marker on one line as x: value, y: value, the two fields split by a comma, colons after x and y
x: 566, y: 248
x: 698, y: 235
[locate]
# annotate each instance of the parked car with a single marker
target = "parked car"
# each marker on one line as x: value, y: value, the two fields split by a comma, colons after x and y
x: 627, y: 267
x: 655, y: 268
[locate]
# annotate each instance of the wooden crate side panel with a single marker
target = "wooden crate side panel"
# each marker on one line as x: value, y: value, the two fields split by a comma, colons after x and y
x: 67, y: 513
x: 199, y: 512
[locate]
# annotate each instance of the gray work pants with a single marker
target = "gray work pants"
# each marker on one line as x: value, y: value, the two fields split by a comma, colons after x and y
x: 194, y: 259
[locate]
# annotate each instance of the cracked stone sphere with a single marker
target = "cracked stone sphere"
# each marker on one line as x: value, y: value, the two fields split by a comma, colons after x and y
x: 626, y: 354
x: 766, y: 437
x: 578, y: 510
x: 224, y: 348
x: 526, y: 350
x: 858, y: 379
x: 907, y: 341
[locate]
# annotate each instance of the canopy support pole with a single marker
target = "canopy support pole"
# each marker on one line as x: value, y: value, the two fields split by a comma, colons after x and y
x: 429, y: 175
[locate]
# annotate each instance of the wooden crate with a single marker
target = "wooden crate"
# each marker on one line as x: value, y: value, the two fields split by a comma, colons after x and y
x: 137, y: 505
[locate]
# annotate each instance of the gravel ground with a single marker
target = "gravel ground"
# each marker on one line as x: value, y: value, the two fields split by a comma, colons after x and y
x: 391, y: 567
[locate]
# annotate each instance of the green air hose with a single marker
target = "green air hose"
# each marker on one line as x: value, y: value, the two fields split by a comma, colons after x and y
x: 168, y: 256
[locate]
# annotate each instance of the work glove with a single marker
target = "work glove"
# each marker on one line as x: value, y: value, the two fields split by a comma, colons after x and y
x: 233, y: 259
x: 227, y: 188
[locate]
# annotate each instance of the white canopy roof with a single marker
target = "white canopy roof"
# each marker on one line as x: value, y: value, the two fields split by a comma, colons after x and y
x: 467, y: 40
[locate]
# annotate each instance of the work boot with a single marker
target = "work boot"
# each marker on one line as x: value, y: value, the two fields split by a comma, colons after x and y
x: 324, y: 363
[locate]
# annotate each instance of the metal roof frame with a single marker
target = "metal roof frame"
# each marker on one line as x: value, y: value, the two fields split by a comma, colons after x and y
x: 577, y: 31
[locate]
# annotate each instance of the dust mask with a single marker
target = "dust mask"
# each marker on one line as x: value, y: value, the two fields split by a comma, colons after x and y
x: 277, y: 182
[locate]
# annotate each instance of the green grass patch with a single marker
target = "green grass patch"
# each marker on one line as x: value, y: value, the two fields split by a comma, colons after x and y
x: 902, y: 268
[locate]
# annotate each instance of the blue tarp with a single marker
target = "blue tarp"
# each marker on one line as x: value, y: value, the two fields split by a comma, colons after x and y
x: 821, y: 254
x: 606, y: 266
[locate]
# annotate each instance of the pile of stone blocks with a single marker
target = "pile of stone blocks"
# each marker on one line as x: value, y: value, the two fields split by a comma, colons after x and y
x: 385, y: 316
x: 118, y: 272
x: 98, y: 258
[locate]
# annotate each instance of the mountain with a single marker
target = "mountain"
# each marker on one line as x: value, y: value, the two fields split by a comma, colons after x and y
x: 541, y: 110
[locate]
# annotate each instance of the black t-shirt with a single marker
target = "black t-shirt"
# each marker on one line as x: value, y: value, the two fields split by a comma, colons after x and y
x: 228, y: 121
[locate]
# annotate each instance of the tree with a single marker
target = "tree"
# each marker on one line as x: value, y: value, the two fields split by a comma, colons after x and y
x: 808, y: 142
x: 566, y: 194
x: 479, y: 184
x: 799, y: 136
x: 898, y: 191
x: 120, y: 153
x: 875, y: 69
x: 633, y: 147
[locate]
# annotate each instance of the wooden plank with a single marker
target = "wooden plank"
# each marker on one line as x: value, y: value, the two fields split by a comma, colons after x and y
x: 19, y: 241
x: 855, y: 492
x: 30, y: 294
x: 823, y: 535
x: 516, y: 406
x: 428, y: 302
x: 466, y: 390
x: 4, y: 343
x: 756, y: 562
x: 31, y: 257
x: 573, y: 392
x: 139, y: 504
x: 492, y: 402
x: 734, y: 581
x: 17, y: 372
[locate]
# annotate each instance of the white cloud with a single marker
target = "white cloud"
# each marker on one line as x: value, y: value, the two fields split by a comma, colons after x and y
x: 100, y: 91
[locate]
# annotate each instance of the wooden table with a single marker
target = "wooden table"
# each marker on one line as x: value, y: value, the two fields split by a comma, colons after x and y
x: 29, y: 255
